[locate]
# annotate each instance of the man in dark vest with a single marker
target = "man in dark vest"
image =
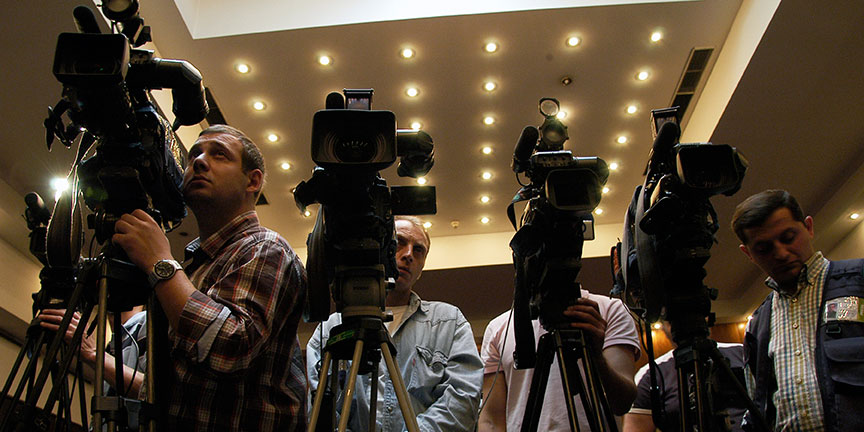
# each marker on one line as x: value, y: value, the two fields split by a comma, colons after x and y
x: 804, y: 347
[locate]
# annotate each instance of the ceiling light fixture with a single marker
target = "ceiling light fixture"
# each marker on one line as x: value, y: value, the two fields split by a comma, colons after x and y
x: 285, y: 166
x: 854, y: 216
x: 622, y: 139
x: 572, y: 41
x: 427, y: 224
x: 488, y: 120
x: 407, y: 53
x: 491, y: 47
x: 598, y: 211
x: 486, y: 175
x: 307, y: 213
x: 642, y: 76
x: 486, y: 150
x: 325, y: 60
x: 657, y: 326
x: 613, y: 166
x: 561, y: 115
x: 631, y: 109
x: 484, y: 220
x: 421, y: 180
x: 656, y: 36
x: 412, y: 92
x: 489, y: 86
x: 484, y: 199
x: 258, y: 105
x: 272, y: 137
x: 243, y: 68
x: 60, y: 185
x: 605, y: 190
x: 416, y: 125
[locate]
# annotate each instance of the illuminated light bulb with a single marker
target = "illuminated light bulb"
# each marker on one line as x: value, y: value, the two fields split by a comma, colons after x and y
x: 741, y: 326
x: 243, y: 68
x: 572, y: 41
x: 427, y: 224
x: 285, y: 166
x: 258, y: 105
x: 307, y: 213
x: 631, y: 109
x: 484, y: 220
x: 407, y: 53
x: 412, y: 92
x: 421, y: 180
x: 484, y: 199
x: 488, y: 120
x: 656, y: 36
x: 613, y: 166
x: 605, y: 190
x: 657, y: 326
x: 491, y: 47
x: 324, y: 60
x: 561, y: 115
x: 598, y: 211
x: 486, y: 150
x: 622, y: 139
x: 489, y: 86
x: 272, y: 138
x: 416, y: 125
x: 854, y: 216
x: 486, y: 175
x: 642, y: 76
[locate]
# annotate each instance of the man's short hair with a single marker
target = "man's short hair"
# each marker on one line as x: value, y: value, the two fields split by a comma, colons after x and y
x: 755, y: 210
x: 416, y: 222
x: 252, y: 158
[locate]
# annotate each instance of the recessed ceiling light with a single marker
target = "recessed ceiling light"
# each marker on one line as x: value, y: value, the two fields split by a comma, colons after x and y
x: 854, y: 216
x: 561, y: 115
x: 642, y: 75
x: 613, y: 166
x: 491, y: 47
x: 486, y: 175
x: 657, y: 326
x: 285, y: 166
x: 412, y: 91
x: 489, y: 86
x: 605, y: 190
x: 307, y: 213
x: 484, y: 199
x: 272, y: 137
x: 598, y: 211
x: 427, y: 224
x: 60, y: 185
x: 622, y: 139
x: 421, y: 180
x: 488, y: 120
x: 324, y: 60
x: 258, y: 105
x: 243, y: 68
x: 407, y: 53
x: 631, y: 109
x: 572, y: 41
x: 656, y: 36
x: 486, y: 150
x: 484, y: 220
x: 416, y: 125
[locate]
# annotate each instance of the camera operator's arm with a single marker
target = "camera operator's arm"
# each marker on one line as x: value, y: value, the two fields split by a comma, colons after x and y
x: 51, y: 319
x: 616, y: 365
x: 493, y: 418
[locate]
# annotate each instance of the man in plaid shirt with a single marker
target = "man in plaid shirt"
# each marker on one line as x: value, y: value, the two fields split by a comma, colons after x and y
x: 233, y: 311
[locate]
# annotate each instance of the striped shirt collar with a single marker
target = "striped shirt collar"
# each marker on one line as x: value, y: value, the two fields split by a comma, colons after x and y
x: 811, y: 270
x: 210, y: 246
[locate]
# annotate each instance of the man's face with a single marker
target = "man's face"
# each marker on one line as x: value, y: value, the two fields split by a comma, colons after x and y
x: 781, y: 246
x: 214, y: 172
x: 410, y: 254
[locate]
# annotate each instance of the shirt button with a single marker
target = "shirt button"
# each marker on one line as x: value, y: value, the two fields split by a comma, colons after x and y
x: 795, y: 300
x: 795, y: 326
x: 389, y: 409
x: 797, y: 352
x: 798, y: 380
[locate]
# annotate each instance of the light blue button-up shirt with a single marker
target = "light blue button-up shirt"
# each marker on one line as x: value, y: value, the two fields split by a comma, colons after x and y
x: 440, y: 365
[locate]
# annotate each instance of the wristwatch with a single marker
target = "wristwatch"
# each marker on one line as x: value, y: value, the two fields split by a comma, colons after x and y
x: 163, y: 270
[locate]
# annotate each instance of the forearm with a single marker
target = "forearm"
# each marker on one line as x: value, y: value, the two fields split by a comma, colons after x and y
x: 617, y: 377
x: 173, y: 295
x: 132, y: 380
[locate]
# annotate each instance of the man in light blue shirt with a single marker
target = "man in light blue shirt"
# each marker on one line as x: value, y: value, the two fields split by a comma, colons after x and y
x: 436, y: 353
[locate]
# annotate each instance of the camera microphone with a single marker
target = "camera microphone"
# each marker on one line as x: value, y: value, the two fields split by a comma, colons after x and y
x: 36, y: 209
x: 334, y: 101
x: 524, y: 147
x: 85, y: 21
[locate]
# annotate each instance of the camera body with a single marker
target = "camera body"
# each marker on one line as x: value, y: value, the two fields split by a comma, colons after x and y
x: 352, y: 248
x: 547, y: 247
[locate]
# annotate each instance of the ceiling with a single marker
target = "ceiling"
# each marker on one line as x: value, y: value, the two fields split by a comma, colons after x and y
x: 795, y: 113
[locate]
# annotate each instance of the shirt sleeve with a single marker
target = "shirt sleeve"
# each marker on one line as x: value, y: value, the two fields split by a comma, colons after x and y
x: 642, y: 403
x: 620, y: 328
x: 460, y: 388
x: 489, y: 348
x: 227, y: 324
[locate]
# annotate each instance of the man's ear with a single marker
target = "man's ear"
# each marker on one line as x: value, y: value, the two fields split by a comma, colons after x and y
x: 808, y: 223
x: 256, y: 181
x: 746, y: 251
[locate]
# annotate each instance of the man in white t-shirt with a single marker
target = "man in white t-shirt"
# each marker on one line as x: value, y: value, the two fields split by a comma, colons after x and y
x: 608, y: 329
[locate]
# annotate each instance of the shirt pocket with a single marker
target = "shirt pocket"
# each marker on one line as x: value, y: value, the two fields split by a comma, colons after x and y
x: 846, y: 361
x: 427, y: 371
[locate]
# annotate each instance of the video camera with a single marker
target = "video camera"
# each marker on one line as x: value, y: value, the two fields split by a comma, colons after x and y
x: 547, y: 247
x: 352, y: 248
x: 138, y: 163
x: 671, y: 224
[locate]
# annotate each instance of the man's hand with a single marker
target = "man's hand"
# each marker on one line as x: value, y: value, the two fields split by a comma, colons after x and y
x: 51, y: 319
x: 142, y: 239
x: 585, y: 315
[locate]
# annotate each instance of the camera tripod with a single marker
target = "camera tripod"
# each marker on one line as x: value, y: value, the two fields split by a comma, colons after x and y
x: 370, y: 341
x: 568, y: 346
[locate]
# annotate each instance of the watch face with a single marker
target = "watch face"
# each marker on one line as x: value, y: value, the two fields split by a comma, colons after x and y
x: 163, y: 269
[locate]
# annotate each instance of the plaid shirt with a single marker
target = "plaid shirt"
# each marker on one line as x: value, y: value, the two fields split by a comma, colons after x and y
x: 236, y: 357
x: 792, y: 346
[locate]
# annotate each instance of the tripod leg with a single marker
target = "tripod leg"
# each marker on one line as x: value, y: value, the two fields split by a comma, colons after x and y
x: 373, y: 395
x: 28, y: 347
x: 319, y: 395
x: 65, y: 361
x: 102, y: 319
x: 534, y: 407
x: 401, y: 393
x: 594, y: 392
x: 349, y: 388
x: 150, y: 374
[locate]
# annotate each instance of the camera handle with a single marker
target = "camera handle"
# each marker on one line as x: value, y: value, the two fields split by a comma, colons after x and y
x: 568, y: 346
x: 369, y: 339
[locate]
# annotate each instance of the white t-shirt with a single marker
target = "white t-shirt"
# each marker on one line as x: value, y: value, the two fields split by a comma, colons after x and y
x: 620, y: 330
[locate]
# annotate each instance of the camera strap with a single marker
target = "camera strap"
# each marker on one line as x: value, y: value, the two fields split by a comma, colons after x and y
x: 524, y: 194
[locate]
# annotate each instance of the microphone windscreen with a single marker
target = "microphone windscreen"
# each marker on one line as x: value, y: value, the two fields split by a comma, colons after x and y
x: 85, y: 20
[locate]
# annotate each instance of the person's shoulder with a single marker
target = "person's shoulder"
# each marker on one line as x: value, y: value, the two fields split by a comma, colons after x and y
x: 441, y: 308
